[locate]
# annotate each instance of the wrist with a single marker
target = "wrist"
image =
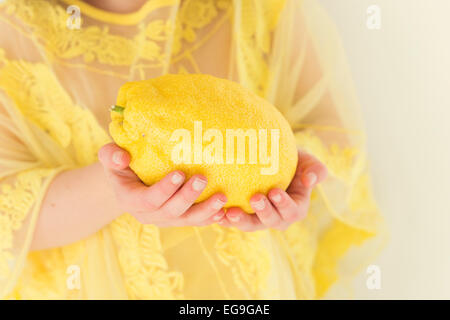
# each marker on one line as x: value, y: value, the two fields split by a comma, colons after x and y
x: 105, y: 193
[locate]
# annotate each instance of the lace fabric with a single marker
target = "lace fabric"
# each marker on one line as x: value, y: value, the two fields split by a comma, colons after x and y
x: 53, y: 118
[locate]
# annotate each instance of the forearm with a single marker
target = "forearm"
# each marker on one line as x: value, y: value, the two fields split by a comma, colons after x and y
x: 78, y: 203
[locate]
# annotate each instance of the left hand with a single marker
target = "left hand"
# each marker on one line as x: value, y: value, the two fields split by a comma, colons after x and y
x: 280, y: 208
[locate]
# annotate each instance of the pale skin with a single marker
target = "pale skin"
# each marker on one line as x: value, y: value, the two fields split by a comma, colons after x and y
x: 92, y: 197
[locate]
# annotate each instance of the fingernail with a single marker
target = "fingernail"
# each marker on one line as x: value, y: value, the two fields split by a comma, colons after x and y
x: 259, y: 205
x: 234, y: 218
x: 217, y: 217
x: 176, y: 178
x: 117, y: 157
x: 198, y: 184
x: 312, y: 178
x: 218, y: 204
x: 276, y: 198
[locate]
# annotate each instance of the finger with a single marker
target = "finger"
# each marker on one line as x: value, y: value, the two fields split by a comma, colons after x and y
x: 185, y: 197
x: 218, y: 217
x: 305, y: 176
x: 243, y: 221
x: 311, y: 169
x: 286, y: 206
x: 207, y: 209
x: 265, y: 211
x: 314, y: 174
x: 112, y: 157
x: 125, y: 182
x: 153, y: 197
x: 224, y: 222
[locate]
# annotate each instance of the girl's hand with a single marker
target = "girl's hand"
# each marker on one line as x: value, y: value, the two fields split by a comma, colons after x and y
x: 281, y: 208
x: 167, y: 203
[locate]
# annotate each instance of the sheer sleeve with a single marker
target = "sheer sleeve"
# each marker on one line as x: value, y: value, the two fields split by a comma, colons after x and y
x: 31, y: 145
x: 321, y: 105
x: 307, y: 78
x: 318, y: 99
x: 25, y: 174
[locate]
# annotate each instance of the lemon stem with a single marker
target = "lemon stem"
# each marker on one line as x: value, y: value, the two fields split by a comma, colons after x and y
x: 117, y: 109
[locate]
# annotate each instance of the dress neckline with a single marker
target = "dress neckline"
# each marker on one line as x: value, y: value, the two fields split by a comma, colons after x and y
x: 120, y: 18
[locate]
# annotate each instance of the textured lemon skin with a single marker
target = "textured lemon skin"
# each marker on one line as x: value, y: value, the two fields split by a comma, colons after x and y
x: 155, y: 108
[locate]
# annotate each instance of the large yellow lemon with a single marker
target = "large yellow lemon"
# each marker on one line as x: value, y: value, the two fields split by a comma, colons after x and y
x: 205, y: 125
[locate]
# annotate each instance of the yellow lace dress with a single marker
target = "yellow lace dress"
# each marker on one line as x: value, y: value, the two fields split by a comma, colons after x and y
x: 57, y: 82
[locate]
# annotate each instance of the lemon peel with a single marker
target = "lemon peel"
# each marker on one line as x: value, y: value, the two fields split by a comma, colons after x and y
x: 148, y: 113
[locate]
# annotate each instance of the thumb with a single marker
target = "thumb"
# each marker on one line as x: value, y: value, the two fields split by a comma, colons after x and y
x: 112, y: 157
x: 312, y: 170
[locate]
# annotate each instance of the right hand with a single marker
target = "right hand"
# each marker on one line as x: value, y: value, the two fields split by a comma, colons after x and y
x: 167, y: 203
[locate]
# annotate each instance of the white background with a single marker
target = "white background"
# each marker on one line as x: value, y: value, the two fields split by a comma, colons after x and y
x: 402, y: 77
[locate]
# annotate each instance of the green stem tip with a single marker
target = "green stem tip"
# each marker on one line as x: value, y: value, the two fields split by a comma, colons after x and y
x: 118, y: 109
